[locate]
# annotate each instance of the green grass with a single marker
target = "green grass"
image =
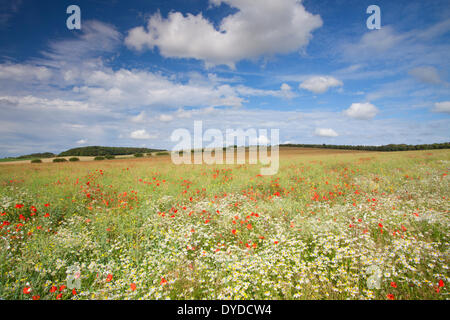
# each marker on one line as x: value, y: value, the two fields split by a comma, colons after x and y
x: 13, y: 159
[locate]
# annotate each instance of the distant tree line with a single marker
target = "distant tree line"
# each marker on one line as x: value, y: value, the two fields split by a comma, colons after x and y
x: 108, y: 152
x: 37, y: 155
x: 104, y: 151
x: 388, y: 147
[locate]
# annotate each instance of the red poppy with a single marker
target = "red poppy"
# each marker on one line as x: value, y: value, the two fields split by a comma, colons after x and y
x: 47, y: 205
x: 233, y: 231
x: 390, y: 296
x: 441, y: 283
x: 19, y: 206
x: 36, y: 297
x: 109, y: 277
x: 62, y: 288
x: 27, y: 290
x: 249, y: 227
x: 53, y: 289
x: 163, y: 281
x: 133, y: 286
x: 59, y: 296
x: 74, y: 292
x: 393, y: 285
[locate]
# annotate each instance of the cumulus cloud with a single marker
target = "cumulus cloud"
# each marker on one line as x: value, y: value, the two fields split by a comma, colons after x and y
x: 361, y: 111
x: 286, y: 91
x: 141, y: 135
x: 426, y: 74
x: 320, y: 84
x: 133, y: 88
x: 325, y: 132
x: 258, y: 28
x: 103, y: 129
x: 443, y: 107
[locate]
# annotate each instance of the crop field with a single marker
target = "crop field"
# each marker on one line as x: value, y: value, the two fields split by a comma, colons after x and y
x: 331, y: 224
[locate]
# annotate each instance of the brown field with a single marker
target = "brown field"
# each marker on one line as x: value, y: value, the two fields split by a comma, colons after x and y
x: 285, y: 152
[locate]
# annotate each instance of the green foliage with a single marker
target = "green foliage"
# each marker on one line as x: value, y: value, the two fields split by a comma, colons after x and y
x: 73, y: 159
x: 138, y: 155
x: 162, y: 153
x: 59, y: 160
x: 103, y: 151
x: 389, y: 147
x: 36, y: 161
x: 99, y: 158
x: 110, y: 157
x: 37, y: 155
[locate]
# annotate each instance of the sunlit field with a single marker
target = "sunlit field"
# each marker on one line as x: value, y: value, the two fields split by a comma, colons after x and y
x: 329, y: 225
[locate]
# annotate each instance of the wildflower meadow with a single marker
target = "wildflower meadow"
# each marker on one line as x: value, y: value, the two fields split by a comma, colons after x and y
x: 329, y: 225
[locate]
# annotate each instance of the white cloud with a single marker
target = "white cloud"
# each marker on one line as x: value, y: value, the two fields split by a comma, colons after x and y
x: 82, y: 141
x: 262, y: 140
x: 284, y: 92
x: 141, y: 135
x: 443, y: 107
x: 398, y: 50
x: 24, y: 72
x: 40, y: 104
x: 102, y: 129
x: 96, y: 38
x: 361, y: 111
x: 373, y: 44
x: 320, y: 84
x: 165, y: 118
x: 259, y: 28
x: 140, y: 118
x: 325, y: 132
x: 426, y: 74
x: 134, y: 88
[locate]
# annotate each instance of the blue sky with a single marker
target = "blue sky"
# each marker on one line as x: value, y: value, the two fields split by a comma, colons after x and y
x: 137, y: 70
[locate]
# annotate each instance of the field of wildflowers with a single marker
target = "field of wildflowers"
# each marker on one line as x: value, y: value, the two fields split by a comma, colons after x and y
x: 354, y: 225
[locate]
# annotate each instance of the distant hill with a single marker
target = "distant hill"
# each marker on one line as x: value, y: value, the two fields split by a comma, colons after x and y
x: 388, y: 147
x: 103, y: 151
x: 37, y: 155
